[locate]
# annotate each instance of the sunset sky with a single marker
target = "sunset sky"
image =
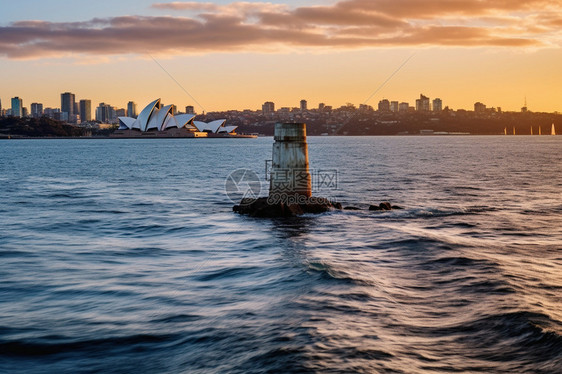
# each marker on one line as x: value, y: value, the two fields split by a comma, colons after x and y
x: 236, y: 55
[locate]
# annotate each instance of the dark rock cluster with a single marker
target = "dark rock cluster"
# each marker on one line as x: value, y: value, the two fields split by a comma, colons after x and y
x: 263, y: 207
x: 384, y: 206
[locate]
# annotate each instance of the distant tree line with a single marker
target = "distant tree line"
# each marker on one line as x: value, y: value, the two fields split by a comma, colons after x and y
x: 38, y: 127
x: 466, y: 122
x: 376, y: 123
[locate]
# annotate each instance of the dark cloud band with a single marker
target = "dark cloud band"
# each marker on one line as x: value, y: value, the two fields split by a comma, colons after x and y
x: 243, y: 26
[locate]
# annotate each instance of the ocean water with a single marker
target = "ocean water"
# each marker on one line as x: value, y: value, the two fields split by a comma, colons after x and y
x: 121, y: 256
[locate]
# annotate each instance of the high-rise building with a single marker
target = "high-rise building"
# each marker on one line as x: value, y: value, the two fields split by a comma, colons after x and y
x: 384, y: 105
x: 105, y: 113
x: 437, y: 105
x: 422, y: 104
x: 69, y: 112
x: 189, y: 109
x: 51, y: 112
x: 321, y: 106
x: 17, y: 107
x: 85, y: 110
x: 132, y: 109
x: 67, y: 101
x: 394, y: 106
x: 479, y: 107
x: 403, y: 107
x: 268, y: 107
x: 60, y: 116
x: 36, y: 110
x: 304, y: 105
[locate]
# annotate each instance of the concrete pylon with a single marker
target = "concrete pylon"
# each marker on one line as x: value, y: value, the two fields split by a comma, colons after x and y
x: 290, y: 175
x: 290, y: 188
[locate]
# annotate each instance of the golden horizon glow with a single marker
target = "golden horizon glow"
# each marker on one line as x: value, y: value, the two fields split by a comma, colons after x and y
x: 239, y: 55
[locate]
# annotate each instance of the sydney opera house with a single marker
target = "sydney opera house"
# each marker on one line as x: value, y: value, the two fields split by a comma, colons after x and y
x: 158, y: 121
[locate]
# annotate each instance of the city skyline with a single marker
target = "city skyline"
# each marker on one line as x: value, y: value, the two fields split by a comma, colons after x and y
x: 75, y: 111
x: 233, y: 55
x: 107, y: 113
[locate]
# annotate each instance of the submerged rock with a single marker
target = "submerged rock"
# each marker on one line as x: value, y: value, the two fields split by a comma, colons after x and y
x: 384, y: 206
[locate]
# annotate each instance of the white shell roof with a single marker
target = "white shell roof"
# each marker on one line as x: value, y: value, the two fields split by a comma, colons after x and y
x: 126, y: 123
x: 158, y: 117
x: 228, y: 129
x: 185, y: 119
x: 199, y: 125
x: 213, y: 126
x: 169, y: 122
x: 155, y: 117
x: 144, y: 117
x: 153, y: 122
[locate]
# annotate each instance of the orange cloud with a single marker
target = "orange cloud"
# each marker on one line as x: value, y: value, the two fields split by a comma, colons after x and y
x: 245, y: 26
x: 238, y: 7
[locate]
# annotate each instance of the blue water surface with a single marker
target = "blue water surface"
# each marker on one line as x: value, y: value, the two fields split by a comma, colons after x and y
x: 124, y: 255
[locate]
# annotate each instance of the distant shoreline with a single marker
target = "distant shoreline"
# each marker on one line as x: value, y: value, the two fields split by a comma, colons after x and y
x: 15, y: 137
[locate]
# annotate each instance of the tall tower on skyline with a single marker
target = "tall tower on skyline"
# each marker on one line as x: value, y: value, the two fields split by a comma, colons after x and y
x: 36, y: 110
x: 422, y: 104
x: 304, y: 105
x: 17, y: 107
x: 437, y: 105
x: 268, y: 107
x: 105, y: 113
x: 132, y: 109
x: 479, y: 107
x: 85, y: 110
x: 384, y: 105
x: 67, y: 104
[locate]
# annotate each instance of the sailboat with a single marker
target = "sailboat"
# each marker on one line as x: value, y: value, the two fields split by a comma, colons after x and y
x: 540, y: 131
x: 553, y: 130
x: 531, y: 130
x: 513, y: 130
x: 505, y: 130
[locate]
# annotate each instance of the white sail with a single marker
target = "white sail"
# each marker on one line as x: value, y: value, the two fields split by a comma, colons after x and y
x: 553, y: 130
